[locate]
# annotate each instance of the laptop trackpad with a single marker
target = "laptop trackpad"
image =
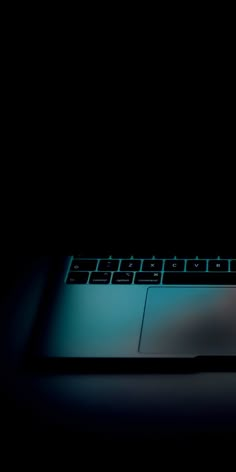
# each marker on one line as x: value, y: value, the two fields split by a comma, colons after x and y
x: 189, y: 321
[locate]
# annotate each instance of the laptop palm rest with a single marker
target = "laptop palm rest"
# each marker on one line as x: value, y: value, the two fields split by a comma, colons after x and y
x: 189, y: 322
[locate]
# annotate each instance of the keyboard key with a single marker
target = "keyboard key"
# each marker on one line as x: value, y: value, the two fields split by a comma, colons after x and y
x: 233, y: 266
x: 152, y: 265
x: 109, y: 265
x: 174, y: 265
x: 84, y: 265
x: 77, y: 278
x: 123, y: 278
x: 199, y: 278
x: 196, y: 266
x: 130, y: 265
x: 218, y: 265
x: 147, y: 278
x: 100, y: 278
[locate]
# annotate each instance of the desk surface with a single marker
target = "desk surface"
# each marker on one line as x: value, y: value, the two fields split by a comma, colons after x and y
x: 145, y: 404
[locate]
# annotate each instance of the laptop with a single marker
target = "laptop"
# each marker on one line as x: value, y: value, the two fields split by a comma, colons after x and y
x: 138, y: 308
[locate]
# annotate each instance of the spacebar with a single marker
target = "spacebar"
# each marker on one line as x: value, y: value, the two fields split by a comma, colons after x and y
x: 193, y: 278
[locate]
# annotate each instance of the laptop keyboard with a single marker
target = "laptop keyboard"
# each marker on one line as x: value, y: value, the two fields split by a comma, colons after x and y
x: 149, y: 269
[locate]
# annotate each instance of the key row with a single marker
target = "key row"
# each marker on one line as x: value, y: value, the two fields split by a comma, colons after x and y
x: 116, y: 278
x: 154, y: 265
x: 178, y: 278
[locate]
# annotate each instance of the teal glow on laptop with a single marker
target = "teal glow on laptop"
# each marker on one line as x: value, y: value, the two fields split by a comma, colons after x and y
x: 139, y: 306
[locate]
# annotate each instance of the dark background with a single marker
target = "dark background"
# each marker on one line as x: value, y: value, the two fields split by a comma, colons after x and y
x: 176, y: 409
